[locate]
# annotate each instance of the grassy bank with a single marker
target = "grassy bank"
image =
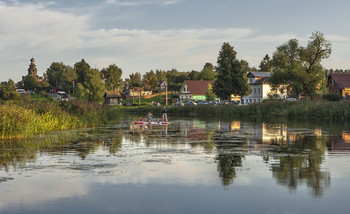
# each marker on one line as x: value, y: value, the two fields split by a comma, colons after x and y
x: 301, y: 110
x: 18, y: 119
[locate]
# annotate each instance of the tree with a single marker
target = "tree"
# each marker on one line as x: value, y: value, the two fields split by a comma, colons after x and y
x: 30, y: 83
x: 8, y: 91
x: 208, y: 72
x: 113, y: 75
x: 81, y: 68
x: 194, y: 75
x: 135, y: 79
x: 150, y: 80
x: 232, y: 76
x: 93, y: 88
x: 59, y: 74
x: 266, y: 64
x: 298, y: 70
x: 209, y: 93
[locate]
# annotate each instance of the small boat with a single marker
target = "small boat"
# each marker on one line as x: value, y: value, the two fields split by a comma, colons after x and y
x: 153, y: 123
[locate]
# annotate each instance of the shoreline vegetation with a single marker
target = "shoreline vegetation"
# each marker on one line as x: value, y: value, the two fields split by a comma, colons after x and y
x: 270, y: 109
x: 23, y: 119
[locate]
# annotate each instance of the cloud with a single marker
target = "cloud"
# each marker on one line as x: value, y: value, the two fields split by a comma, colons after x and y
x: 142, y: 2
x: 52, y: 36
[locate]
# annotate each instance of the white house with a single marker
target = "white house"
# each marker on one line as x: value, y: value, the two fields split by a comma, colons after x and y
x: 261, y: 88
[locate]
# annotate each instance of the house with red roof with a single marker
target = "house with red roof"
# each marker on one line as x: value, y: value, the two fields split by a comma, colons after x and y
x: 339, y: 83
x: 194, y: 90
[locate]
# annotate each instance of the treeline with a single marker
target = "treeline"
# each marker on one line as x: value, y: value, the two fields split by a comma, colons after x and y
x: 294, y: 70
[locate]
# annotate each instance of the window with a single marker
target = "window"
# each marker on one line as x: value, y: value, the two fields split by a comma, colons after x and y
x: 254, y: 90
x: 258, y: 90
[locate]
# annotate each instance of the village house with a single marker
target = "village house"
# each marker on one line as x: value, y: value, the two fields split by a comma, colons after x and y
x: 112, y: 98
x: 194, y: 90
x: 339, y: 83
x: 162, y: 85
x: 260, y: 86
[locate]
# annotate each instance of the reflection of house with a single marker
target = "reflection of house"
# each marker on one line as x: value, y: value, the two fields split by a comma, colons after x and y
x: 339, y: 142
x: 194, y: 90
x: 339, y: 84
x: 258, y: 81
x: 112, y: 97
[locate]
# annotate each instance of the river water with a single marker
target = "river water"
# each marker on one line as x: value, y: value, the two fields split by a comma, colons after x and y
x: 192, y: 165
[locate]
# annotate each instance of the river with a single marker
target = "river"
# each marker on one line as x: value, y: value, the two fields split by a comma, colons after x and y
x: 192, y: 165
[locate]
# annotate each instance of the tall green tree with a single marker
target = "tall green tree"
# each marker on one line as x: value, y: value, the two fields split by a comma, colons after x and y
x: 298, y: 69
x: 208, y: 72
x: 232, y: 76
x: 266, y: 64
x: 81, y: 68
x: 93, y: 88
x: 113, y: 76
x: 135, y: 79
x: 59, y: 74
x: 150, y: 80
x: 210, y: 95
x: 30, y: 83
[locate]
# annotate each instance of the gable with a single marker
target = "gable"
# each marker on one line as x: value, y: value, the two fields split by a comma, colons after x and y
x: 197, y: 87
x: 341, y: 80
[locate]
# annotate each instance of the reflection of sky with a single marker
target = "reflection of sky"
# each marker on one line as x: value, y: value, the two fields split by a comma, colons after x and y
x: 168, y: 178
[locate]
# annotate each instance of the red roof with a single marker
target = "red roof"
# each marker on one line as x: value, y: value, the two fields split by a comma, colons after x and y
x: 342, y: 80
x: 198, y: 87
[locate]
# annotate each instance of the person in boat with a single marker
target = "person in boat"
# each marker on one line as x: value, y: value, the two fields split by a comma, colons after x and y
x: 141, y: 119
x: 149, y: 117
x: 164, y: 115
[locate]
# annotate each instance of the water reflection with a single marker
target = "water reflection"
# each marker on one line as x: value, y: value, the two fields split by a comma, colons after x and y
x: 294, y: 153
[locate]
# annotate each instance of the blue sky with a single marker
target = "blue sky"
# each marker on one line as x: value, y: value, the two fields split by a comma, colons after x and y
x: 144, y: 35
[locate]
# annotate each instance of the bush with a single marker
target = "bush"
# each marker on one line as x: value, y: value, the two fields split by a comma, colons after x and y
x: 333, y: 97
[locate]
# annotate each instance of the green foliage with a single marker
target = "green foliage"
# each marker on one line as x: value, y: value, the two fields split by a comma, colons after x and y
x: 333, y: 97
x: 210, y: 95
x: 266, y: 64
x: 135, y: 79
x: 8, y: 91
x: 81, y: 68
x: 113, y: 75
x: 298, y: 70
x: 30, y: 83
x: 150, y: 80
x: 208, y: 72
x: 59, y: 74
x: 93, y: 88
x: 232, y: 74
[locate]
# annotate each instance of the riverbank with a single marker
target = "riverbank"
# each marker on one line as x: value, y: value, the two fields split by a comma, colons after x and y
x: 296, y: 110
x: 20, y: 120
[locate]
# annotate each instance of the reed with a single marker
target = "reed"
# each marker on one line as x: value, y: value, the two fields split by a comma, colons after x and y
x: 272, y: 109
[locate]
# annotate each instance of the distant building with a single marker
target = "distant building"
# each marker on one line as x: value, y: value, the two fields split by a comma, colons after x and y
x: 339, y: 83
x: 112, y: 98
x: 259, y: 83
x: 33, y: 72
x: 194, y: 90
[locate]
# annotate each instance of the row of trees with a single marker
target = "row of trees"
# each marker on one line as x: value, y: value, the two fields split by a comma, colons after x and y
x: 295, y: 70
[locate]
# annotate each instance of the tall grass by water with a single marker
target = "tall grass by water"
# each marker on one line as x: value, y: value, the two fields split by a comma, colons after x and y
x: 271, y: 109
x: 18, y: 121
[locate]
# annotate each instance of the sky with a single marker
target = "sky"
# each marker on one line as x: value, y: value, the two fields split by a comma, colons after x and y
x: 144, y: 35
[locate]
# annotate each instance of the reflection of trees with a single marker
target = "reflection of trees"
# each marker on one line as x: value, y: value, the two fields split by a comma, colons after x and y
x: 227, y: 164
x: 301, y: 162
x: 17, y: 153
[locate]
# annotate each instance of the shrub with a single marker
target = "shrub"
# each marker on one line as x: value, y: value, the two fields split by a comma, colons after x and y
x: 333, y: 97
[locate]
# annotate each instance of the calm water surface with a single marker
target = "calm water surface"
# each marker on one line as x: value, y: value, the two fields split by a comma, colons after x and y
x: 189, y: 166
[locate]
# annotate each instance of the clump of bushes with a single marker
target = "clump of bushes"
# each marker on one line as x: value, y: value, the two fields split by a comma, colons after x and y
x: 333, y: 97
